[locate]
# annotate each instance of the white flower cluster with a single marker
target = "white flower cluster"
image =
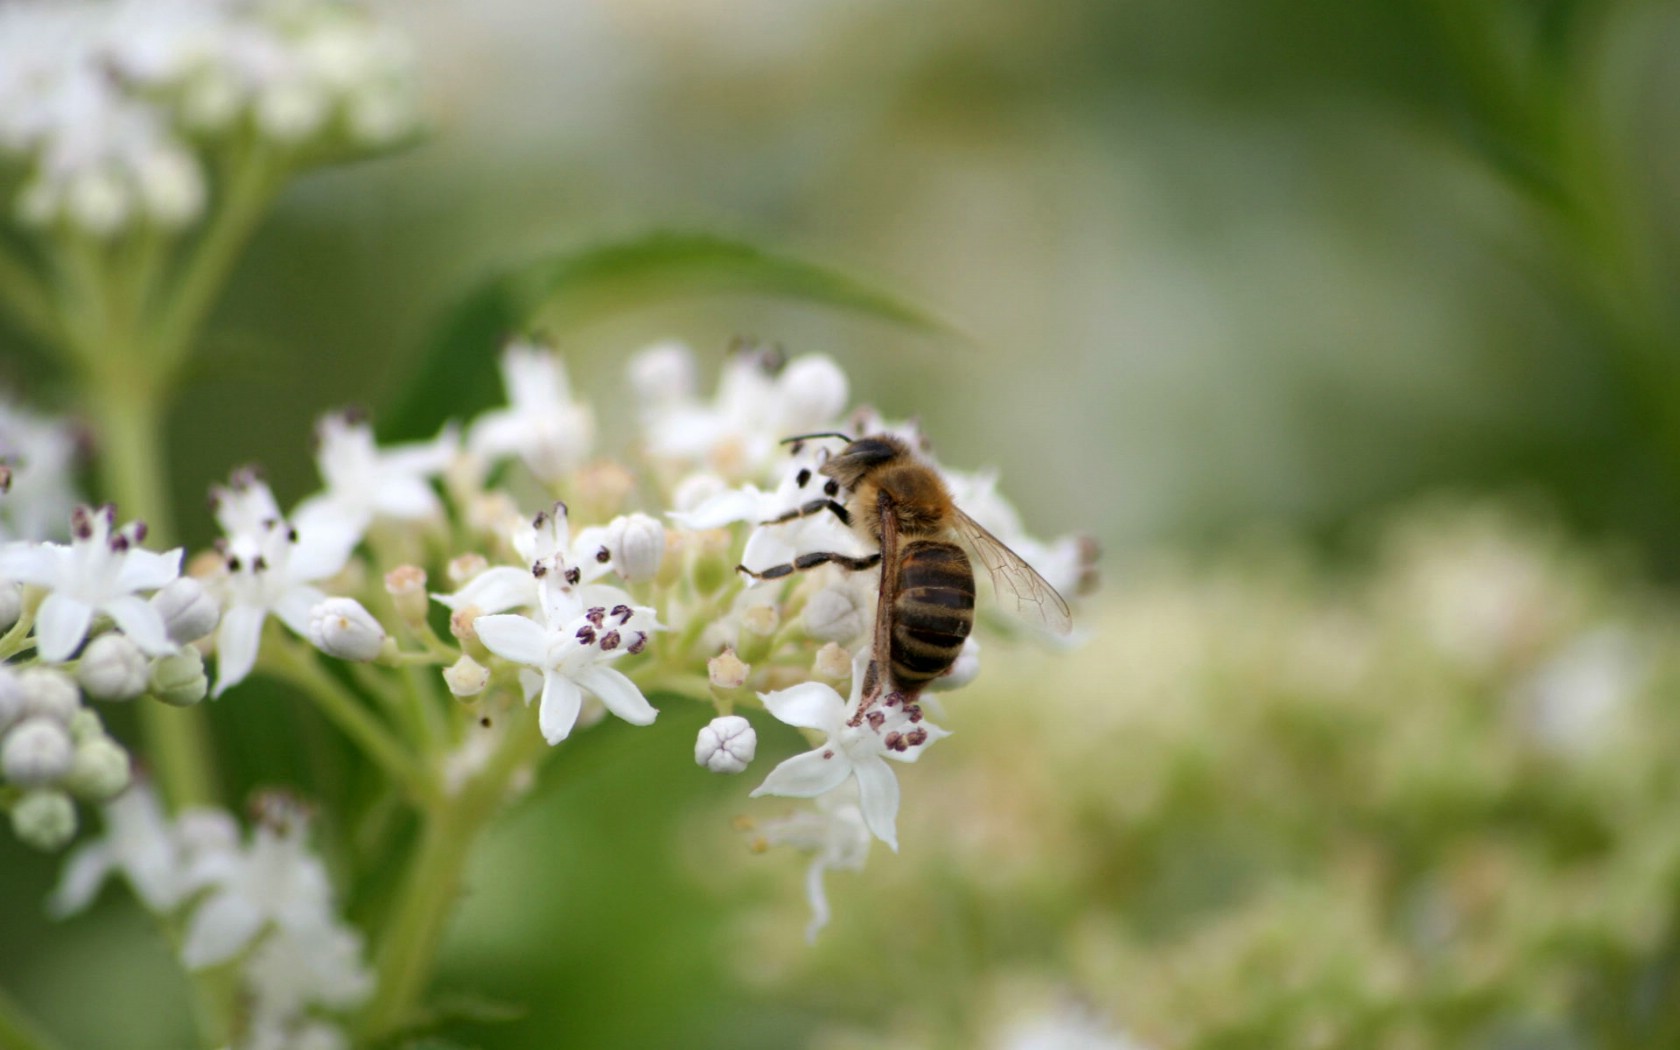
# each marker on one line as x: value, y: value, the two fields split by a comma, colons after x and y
x: 37, y: 490
x: 586, y: 607
x: 265, y: 903
x: 111, y: 106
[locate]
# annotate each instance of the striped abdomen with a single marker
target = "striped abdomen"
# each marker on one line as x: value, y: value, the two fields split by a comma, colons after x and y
x: 933, y: 611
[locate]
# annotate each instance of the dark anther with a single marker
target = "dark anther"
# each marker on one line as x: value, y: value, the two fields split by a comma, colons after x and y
x: 803, y: 477
x: 829, y: 753
x: 609, y: 641
x: 353, y: 414
x: 259, y: 564
x: 875, y: 719
x: 233, y: 563
x: 573, y: 575
x: 539, y: 569
x: 596, y: 614
x: 540, y: 520
x: 637, y: 644
x: 603, y: 555
x: 220, y: 544
x: 485, y: 722
x: 831, y: 487
x: 119, y: 543
x: 139, y: 530
x: 586, y: 634
x: 895, y: 741
x: 269, y: 524
x: 291, y: 534
x: 622, y: 612
x: 914, y: 711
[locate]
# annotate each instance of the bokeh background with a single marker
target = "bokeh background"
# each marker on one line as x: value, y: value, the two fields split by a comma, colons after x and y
x: 1349, y: 329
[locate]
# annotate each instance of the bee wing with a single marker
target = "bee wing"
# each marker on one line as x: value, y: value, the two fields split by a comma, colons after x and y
x: 1035, y: 600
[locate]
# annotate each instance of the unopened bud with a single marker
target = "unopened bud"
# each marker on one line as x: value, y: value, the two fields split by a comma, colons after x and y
x: 726, y: 744
x: 663, y: 373
x: 832, y: 663
x: 178, y: 679
x: 466, y: 677
x: 11, y: 604
x: 641, y: 548
x: 465, y: 567
x: 832, y: 615
x: 100, y: 769
x: 36, y: 751
x: 812, y: 392
x: 13, y: 701
x: 461, y: 624
x: 341, y: 627
x: 86, y: 725
x: 44, y: 819
x: 726, y: 670
x: 50, y: 694
x: 112, y: 668
x: 760, y: 619
x: 406, y: 584
x: 189, y: 612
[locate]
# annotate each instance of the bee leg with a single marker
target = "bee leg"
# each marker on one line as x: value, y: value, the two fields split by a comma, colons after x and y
x: 816, y: 506
x: 811, y: 561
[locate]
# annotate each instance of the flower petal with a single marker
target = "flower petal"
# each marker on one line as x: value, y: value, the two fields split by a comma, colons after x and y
x: 84, y: 873
x: 141, y: 621
x: 878, y: 798
x: 494, y: 590
x: 514, y: 637
x: 36, y: 563
x: 808, y: 705
x: 219, y: 928
x: 743, y: 504
x: 818, y: 898
x: 561, y: 701
x: 237, y: 640
x: 619, y: 694
x: 294, y: 607
x: 144, y: 570
x: 60, y: 625
x: 807, y: 775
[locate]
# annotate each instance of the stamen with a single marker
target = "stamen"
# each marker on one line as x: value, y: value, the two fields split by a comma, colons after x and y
x: 603, y: 555
x: 596, y: 614
x: 609, y: 641
x: 573, y: 575
x: 622, y: 612
x: 637, y: 644
x: 586, y: 634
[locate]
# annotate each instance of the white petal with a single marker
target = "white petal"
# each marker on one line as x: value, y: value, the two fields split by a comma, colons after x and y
x: 35, y: 563
x: 327, y: 532
x: 405, y: 498
x: 219, y: 928
x: 137, y: 618
x: 84, y: 873
x: 619, y: 694
x: 807, y: 775
x: 742, y: 504
x: 144, y: 570
x: 808, y: 705
x: 294, y: 607
x: 561, y: 701
x: 494, y: 590
x: 911, y: 754
x: 60, y: 625
x: 766, y: 547
x: 878, y: 798
x: 818, y: 898
x: 495, y: 434
x: 236, y: 645
x: 515, y: 638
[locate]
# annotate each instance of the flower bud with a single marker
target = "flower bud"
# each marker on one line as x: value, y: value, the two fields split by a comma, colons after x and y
x: 726, y: 745
x: 189, y: 612
x: 178, y: 680
x: 663, y: 373
x: 13, y: 700
x: 100, y: 769
x: 44, y: 819
x: 464, y: 568
x: 641, y: 548
x: 726, y: 670
x: 406, y: 584
x: 85, y: 726
x: 461, y: 624
x: 11, y: 604
x: 761, y: 619
x: 466, y: 677
x: 813, y: 392
x: 112, y: 668
x: 36, y: 751
x: 833, y: 615
x: 341, y: 627
x: 832, y: 663
x: 50, y: 694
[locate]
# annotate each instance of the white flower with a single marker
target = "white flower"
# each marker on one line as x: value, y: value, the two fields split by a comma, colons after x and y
x: 778, y: 544
x: 550, y: 432
x: 296, y: 968
x: 857, y: 744
x: 100, y: 571
x: 835, y: 833
x: 37, y: 460
x: 341, y: 627
x: 759, y: 402
x: 548, y: 552
x: 365, y: 482
x: 726, y: 744
x: 270, y: 567
x: 572, y: 648
x: 274, y: 880
x: 141, y: 845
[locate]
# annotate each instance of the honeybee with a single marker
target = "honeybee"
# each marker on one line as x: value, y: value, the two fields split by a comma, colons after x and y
x: 901, y: 506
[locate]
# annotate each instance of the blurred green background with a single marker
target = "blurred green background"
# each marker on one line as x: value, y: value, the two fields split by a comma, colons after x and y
x: 1222, y: 268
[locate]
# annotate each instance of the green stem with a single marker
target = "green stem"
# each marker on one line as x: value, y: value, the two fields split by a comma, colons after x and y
x: 409, y: 948
x: 19, y: 1031
x: 27, y: 299
x: 297, y: 665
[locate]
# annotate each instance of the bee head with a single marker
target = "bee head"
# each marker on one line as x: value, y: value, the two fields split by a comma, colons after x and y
x: 863, y: 456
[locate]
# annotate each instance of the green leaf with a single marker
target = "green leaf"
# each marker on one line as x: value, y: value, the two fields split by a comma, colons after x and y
x: 456, y: 373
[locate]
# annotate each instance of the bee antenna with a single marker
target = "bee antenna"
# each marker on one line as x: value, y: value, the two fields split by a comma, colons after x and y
x: 822, y: 434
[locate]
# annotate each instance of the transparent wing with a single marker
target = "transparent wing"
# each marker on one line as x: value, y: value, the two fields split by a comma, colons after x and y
x: 1035, y: 600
